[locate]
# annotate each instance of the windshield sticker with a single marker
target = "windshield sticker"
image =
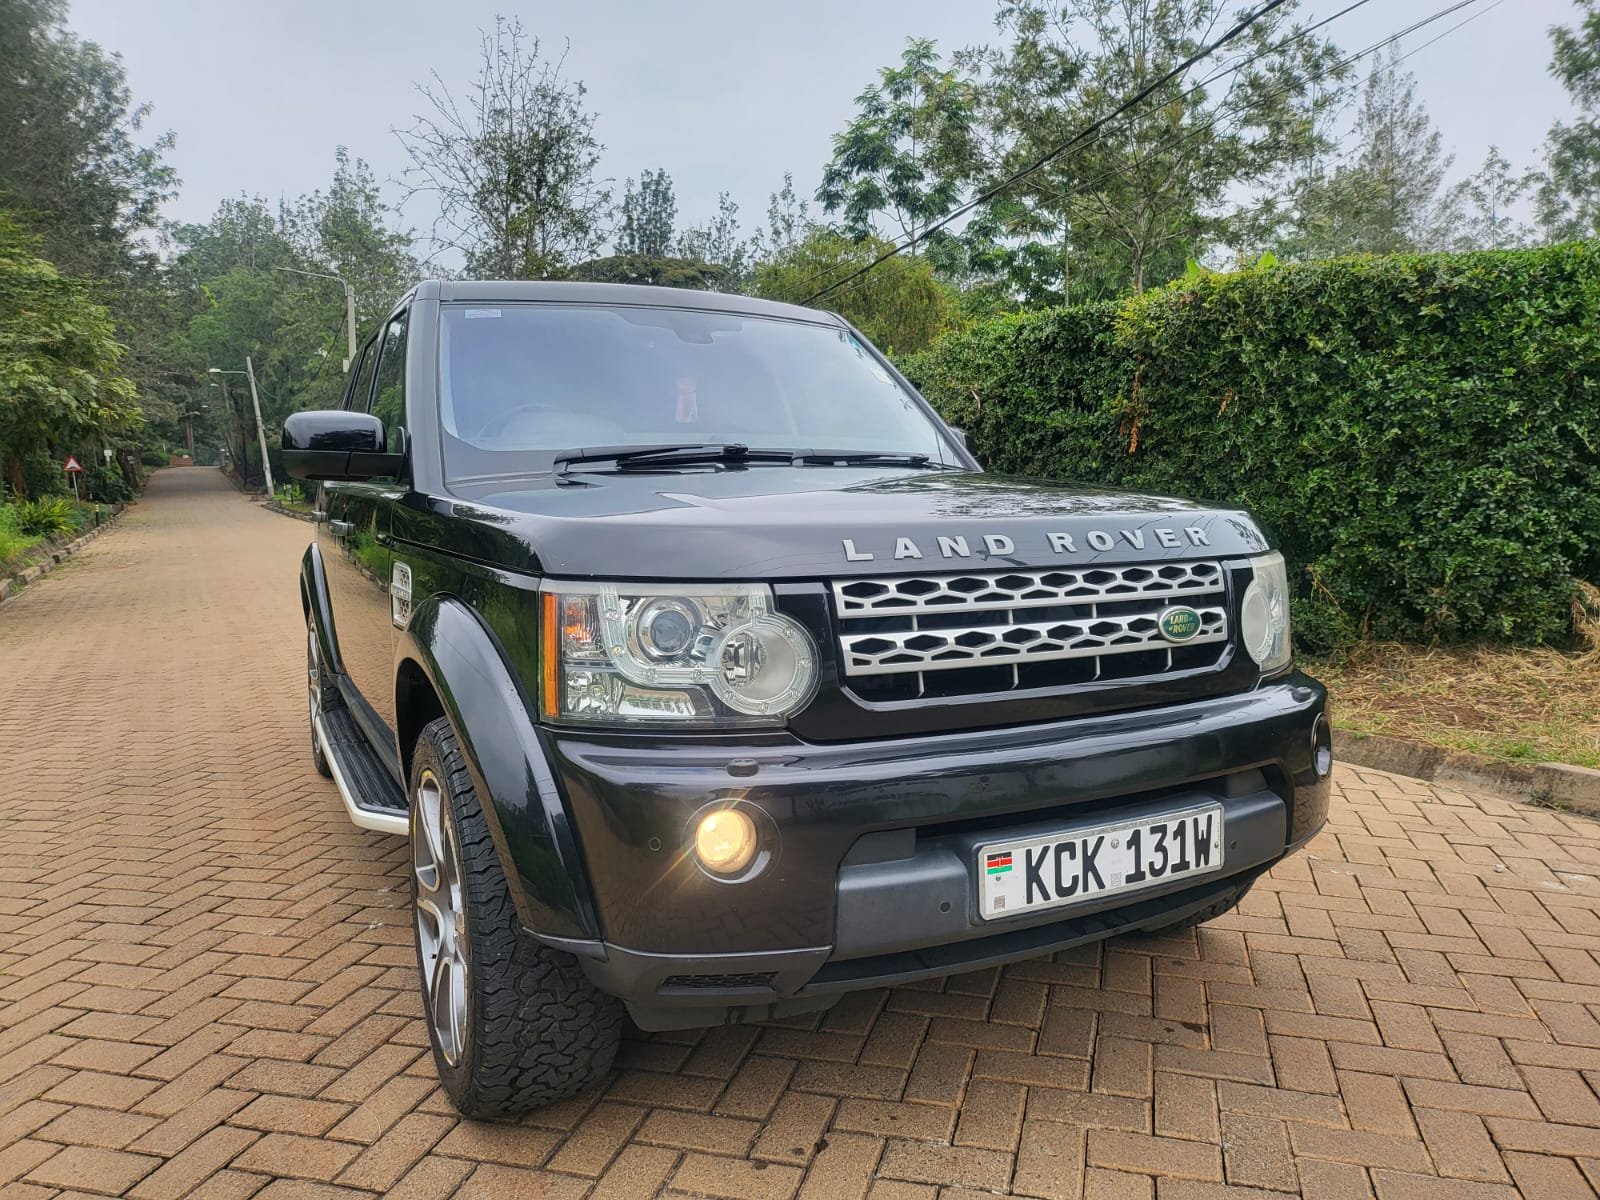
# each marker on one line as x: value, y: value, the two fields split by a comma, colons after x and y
x: 481, y: 314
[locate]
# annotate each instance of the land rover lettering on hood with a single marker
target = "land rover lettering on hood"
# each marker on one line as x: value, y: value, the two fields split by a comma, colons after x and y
x: 710, y: 678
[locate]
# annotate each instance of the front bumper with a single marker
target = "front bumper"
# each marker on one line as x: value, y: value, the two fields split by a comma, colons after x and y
x: 870, y: 880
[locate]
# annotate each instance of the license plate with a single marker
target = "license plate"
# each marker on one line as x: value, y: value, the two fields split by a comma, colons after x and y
x: 1091, y: 864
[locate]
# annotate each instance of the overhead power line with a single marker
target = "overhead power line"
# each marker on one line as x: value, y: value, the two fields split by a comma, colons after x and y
x: 1176, y: 143
x: 1240, y: 27
x: 1298, y: 36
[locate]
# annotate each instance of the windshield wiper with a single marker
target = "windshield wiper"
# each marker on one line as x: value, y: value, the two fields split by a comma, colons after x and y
x: 869, y: 458
x: 658, y: 456
x: 625, y: 458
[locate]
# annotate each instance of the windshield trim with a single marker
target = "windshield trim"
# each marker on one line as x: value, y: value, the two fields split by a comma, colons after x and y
x: 951, y: 453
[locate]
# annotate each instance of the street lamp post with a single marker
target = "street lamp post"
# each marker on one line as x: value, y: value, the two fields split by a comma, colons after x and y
x: 261, y: 429
x: 349, y: 308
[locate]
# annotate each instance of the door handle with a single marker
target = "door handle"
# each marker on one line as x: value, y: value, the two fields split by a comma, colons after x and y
x: 341, y: 528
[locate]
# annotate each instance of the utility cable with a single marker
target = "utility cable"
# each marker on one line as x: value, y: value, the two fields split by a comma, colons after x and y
x: 1175, y: 143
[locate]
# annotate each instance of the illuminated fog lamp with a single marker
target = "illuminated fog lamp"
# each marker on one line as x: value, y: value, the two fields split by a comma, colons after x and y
x: 725, y: 841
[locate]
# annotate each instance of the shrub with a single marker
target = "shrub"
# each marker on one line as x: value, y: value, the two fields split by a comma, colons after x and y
x: 1421, y: 435
x: 153, y: 457
x: 43, y: 518
x: 12, y: 540
x: 106, y: 484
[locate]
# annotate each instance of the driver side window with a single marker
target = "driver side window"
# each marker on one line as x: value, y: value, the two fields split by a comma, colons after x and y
x: 360, y: 393
x: 389, y: 391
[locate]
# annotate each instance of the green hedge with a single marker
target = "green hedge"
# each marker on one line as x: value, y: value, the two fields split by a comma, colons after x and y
x: 1421, y: 435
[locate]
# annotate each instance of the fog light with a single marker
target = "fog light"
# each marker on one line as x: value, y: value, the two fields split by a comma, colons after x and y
x: 725, y: 841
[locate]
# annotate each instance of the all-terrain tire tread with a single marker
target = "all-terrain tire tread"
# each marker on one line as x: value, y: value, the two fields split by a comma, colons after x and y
x: 539, y: 1030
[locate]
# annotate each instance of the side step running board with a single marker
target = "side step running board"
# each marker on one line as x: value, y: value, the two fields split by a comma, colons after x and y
x: 369, y: 793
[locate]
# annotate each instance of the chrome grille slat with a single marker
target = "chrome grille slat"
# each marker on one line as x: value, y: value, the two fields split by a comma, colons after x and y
x: 918, y: 594
x: 1003, y: 645
x: 1022, y: 617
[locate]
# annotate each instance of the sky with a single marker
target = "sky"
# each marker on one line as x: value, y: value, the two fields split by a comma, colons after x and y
x: 725, y: 94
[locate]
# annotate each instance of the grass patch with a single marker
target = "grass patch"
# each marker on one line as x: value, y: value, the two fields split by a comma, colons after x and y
x: 13, y: 542
x: 1516, y: 705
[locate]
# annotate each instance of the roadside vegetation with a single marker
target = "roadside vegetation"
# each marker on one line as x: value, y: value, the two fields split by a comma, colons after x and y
x: 30, y: 527
x: 1519, y: 705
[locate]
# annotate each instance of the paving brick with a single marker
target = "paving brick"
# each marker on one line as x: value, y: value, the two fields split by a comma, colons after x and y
x: 92, y: 1127
x: 991, y: 1115
x: 1541, y: 1177
x: 181, y: 1174
x: 794, y: 1131
x: 492, y: 1181
x: 735, y: 1179
x: 1376, y: 1103
x: 1395, y: 1185
x: 962, y: 1166
x: 1100, y: 1184
x: 286, y: 1154
x: 1186, y: 1107
x: 91, y: 1169
x: 756, y: 1087
x: 843, y: 1170
x: 637, y: 1174
x: 1160, y: 1156
x: 383, y: 1164
x: 1460, y: 1145
x: 692, y: 1131
x: 923, y: 1122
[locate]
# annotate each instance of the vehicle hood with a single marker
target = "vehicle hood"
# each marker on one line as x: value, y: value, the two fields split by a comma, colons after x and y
x: 760, y: 523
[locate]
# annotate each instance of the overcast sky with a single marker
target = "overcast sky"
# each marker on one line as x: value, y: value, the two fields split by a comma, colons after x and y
x: 725, y: 94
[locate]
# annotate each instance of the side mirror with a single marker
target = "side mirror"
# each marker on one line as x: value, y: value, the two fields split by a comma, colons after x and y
x: 961, y: 436
x: 337, y: 445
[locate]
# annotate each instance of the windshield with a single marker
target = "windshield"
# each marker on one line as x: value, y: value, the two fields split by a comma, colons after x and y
x: 520, y: 382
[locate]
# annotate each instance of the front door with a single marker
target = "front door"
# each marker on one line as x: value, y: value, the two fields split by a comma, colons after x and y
x: 357, y: 547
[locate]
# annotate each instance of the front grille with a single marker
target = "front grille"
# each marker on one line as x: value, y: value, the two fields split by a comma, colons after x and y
x: 911, y: 637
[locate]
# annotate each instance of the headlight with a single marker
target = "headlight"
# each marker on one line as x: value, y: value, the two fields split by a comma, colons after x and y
x: 1264, y: 617
x: 707, y: 654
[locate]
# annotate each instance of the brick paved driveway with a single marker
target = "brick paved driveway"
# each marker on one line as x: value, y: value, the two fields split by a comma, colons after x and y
x: 206, y: 980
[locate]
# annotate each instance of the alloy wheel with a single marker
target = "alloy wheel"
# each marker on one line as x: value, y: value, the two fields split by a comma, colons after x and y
x: 441, y: 917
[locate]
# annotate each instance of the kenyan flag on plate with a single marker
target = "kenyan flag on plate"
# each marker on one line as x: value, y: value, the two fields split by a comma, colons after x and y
x: 998, y: 863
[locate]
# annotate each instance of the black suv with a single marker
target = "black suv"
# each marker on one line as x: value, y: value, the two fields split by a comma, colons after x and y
x: 711, y: 678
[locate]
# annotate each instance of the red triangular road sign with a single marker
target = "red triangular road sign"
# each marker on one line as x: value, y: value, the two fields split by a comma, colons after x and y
x: 73, y: 466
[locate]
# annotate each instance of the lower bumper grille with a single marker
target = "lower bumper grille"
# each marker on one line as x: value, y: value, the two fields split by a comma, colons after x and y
x: 750, y: 979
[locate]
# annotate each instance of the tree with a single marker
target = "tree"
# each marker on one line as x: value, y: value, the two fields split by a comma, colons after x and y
x: 243, y: 294
x: 1164, y: 182
x: 514, y: 173
x: 657, y: 272
x: 648, y: 215
x: 904, y: 156
x: 348, y: 231
x: 1569, y: 194
x: 788, y: 222
x: 60, y: 386
x: 902, y: 306
x: 1386, y: 197
x: 72, y: 166
x: 77, y: 169
x: 720, y: 243
x: 1488, y: 203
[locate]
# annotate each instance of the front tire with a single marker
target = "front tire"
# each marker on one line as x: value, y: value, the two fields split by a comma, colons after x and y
x: 514, y: 1024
